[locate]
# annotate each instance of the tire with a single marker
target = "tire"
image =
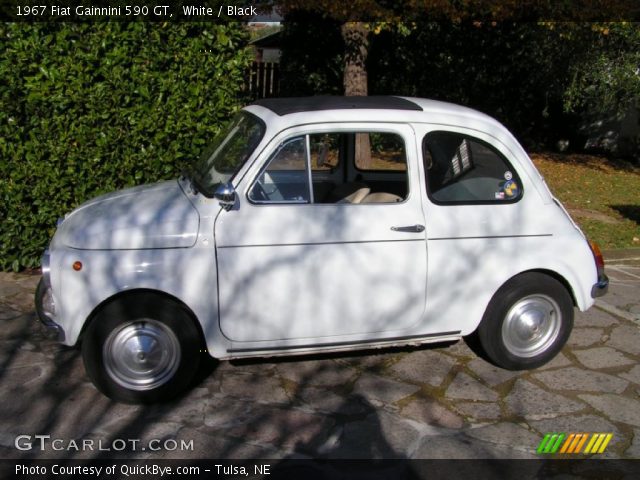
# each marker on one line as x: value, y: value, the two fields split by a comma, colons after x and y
x: 39, y: 296
x: 143, y: 349
x: 527, y: 322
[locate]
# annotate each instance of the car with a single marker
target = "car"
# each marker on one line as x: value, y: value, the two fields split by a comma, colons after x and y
x: 321, y: 224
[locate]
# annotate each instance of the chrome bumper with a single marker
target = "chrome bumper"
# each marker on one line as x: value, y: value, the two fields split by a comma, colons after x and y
x: 44, y: 302
x: 601, y: 287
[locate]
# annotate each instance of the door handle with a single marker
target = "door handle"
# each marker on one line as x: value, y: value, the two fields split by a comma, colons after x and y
x: 410, y: 228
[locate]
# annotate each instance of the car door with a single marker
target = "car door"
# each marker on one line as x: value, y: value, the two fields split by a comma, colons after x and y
x: 484, y: 221
x: 297, y: 265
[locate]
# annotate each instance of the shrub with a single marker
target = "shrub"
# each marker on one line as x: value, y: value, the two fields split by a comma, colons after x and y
x: 92, y: 107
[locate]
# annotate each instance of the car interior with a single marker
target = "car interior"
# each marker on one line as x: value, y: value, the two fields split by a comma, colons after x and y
x: 346, y: 167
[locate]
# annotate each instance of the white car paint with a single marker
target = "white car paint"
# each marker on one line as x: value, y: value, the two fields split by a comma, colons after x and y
x: 276, y: 279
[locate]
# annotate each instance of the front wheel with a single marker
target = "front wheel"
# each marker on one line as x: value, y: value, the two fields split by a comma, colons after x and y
x: 527, y: 322
x: 141, y: 352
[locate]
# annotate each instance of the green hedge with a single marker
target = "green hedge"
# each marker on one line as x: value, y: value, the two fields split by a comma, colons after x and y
x: 90, y: 108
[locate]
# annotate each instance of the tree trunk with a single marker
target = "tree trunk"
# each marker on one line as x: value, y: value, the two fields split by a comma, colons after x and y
x: 356, y: 48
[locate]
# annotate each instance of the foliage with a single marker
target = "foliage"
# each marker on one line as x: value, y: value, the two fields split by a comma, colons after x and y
x: 311, y: 67
x: 600, y: 194
x: 92, y: 107
x: 514, y: 71
x: 606, y: 77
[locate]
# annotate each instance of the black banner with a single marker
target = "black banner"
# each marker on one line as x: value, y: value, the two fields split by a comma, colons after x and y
x: 274, y: 11
x: 320, y: 469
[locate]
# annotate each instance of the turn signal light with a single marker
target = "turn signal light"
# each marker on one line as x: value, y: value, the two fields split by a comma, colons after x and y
x: 597, y: 256
x: 77, y: 265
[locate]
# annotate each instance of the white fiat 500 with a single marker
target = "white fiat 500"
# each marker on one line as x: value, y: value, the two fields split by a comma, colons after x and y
x: 321, y: 224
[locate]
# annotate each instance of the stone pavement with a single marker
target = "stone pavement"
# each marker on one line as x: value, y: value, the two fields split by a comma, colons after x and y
x: 442, y: 401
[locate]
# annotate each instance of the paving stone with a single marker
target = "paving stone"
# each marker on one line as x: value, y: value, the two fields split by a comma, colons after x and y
x: 285, y: 428
x: 460, y: 349
x: 626, y: 338
x: 222, y: 412
x: 6, y: 313
x: 480, y: 410
x: 371, y: 360
x: 463, y: 447
x: 506, y: 434
x: 489, y: 373
x: 253, y: 366
x: 430, y: 412
x: 632, y: 375
x: 256, y: 387
x: 531, y: 402
x: 324, y: 401
x: 317, y: 372
x: 579, y: 423
x: 595, y: 318
x: 578, y: 379
x: 9, y: 287
x: 602, y: 357
x: 424, y: 366
x: 634, y: 449
x: 374, y: 387
x: 584, y: 337
x: 560, y: 360
x: 616, y: 407
x: 215, y: 445
x: 466, y: 387
x: 379, y: 435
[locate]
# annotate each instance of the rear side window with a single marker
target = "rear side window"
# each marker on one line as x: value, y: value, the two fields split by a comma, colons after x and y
x: 461, y: 169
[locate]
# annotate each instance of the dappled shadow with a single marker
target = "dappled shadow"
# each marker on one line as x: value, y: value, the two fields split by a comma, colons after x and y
x: 631, y: 212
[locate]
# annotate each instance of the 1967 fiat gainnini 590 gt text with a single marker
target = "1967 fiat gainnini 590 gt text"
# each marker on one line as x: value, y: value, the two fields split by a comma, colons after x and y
x: 321, y: 224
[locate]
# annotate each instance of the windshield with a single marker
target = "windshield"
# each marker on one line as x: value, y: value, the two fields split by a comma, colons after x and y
x: 227, y: 153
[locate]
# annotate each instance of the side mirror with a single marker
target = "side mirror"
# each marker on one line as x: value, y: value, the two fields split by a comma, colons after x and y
x: 226, y: 195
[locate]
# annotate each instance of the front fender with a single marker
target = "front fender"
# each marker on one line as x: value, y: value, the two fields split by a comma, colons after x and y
x: 188, y: 274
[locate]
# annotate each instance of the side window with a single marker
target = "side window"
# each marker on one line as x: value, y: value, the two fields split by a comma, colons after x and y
x: 325, y: 151
x: 285, y: 178
x: 463, y: 169
x: 312, y: 168
x: 379, y: 151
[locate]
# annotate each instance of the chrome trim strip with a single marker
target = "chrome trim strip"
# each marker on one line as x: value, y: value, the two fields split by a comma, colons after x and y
x: 309, y: 244
x: 341, y: 344
x: 491, y: 236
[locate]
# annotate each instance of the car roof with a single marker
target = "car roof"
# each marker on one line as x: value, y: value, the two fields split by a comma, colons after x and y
x: 286, y: 112
x: 285, y: 106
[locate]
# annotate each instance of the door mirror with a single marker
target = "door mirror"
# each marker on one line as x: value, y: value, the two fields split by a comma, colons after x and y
x: 226, y: 195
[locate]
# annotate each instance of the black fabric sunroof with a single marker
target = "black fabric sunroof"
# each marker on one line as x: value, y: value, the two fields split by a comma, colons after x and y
x: 284, y: 106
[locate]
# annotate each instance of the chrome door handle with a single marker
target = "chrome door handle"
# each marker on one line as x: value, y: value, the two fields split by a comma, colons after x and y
x: 410, y: 228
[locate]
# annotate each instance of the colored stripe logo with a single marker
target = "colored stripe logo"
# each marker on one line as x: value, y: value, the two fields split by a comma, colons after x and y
x: 574, y: 443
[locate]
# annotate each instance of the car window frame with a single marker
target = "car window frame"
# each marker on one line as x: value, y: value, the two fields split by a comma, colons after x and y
x: 487, y: 144
x: 305, y: 130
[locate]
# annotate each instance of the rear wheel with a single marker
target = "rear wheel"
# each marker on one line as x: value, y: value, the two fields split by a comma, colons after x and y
x: 527, y: 322
x: 141, y: 351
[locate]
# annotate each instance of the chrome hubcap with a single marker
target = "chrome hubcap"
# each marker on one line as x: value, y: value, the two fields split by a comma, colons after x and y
x: 141, y: 355
x: 531, y: 325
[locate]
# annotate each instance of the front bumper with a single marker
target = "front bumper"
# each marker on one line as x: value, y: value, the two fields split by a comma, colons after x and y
x: 601, y: 287
x: 44, y: 301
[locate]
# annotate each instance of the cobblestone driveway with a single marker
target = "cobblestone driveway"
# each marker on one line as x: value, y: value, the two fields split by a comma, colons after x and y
x: 442, y: 401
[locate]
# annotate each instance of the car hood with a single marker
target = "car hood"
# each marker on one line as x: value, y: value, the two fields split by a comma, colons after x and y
x: 150, y: 216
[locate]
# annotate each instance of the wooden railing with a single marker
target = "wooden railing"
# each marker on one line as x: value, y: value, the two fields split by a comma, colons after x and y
x: 263, y: 80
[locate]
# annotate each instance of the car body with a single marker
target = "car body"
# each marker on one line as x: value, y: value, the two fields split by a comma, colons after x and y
x: 322, y: 224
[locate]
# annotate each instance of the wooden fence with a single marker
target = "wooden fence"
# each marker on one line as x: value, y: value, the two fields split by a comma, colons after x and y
x: 263, y: 80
